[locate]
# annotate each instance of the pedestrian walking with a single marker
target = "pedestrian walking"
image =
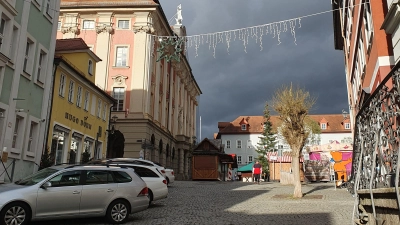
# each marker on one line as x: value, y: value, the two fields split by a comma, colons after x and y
x: 257, y: 170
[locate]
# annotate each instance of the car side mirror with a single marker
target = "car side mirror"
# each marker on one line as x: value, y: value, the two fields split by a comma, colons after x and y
x: 46, y: 185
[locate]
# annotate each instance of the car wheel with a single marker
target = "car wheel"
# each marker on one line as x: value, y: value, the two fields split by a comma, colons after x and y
x: 118, y: 212
x: 150, y: 196
x: 16, y: 213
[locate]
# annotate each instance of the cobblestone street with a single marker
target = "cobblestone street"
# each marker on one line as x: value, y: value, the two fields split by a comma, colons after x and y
x: 231, y: 203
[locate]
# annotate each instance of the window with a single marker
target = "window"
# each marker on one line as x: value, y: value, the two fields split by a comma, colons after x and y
x: 41, y: 67
x: 18, y: 123
x: 228, y: 144
x: 123, y: 24
x: 244, y: 126
x: 99, y: 108
x: 121, y: 57
x: 27, y: 55
x: 88, y: 25
x: 31, y: 140
x: 90, y: 67
x: 368, y: 22
x: 104, y: 111
x: 86, y: 104
x: 122, y: 177
x: 59, y: 25
x: 347, y: 126
x: 70, y: 178
x: 98, y: 177
x: 323, y: 126
x: 239, y: 159
x: 49, y: 8
x: 71, y: 91
x: 144, y: 172
x: 119, y: 95
x: 239, y: 143
x: 14, y: 43
x: 79, y: 97
x: 2, y: 29
x: 61, y: 89
x: 250, y: 159
x: 249, y: 144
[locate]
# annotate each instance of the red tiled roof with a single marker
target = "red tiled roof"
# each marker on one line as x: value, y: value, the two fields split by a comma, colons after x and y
x: 256, y: 123
x: 71, y: 44
x: 106, y: 3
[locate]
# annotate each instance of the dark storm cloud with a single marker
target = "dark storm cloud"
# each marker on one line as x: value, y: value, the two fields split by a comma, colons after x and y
x: 240, y: 83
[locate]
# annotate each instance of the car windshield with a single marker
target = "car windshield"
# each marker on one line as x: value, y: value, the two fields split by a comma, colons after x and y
x: 36, y: 177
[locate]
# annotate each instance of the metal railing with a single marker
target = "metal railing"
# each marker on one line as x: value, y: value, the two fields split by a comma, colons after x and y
x: 377, y: 141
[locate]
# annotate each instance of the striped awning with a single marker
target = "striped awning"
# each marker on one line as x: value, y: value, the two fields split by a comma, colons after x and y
x: 285, y: 158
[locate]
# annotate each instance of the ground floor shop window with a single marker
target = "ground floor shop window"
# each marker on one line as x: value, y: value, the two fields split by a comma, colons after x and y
x: 57, y: 145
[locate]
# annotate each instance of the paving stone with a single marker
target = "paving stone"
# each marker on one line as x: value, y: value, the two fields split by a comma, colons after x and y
x: 231, y: 203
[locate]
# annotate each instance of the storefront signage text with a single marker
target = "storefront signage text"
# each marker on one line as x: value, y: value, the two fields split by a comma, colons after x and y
x: 77, y: 121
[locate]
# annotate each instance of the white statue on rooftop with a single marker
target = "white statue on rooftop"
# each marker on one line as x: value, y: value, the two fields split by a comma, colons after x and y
x: 179, y: 15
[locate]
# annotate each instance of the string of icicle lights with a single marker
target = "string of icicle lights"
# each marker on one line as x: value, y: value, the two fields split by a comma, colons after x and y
x: 243, y: 34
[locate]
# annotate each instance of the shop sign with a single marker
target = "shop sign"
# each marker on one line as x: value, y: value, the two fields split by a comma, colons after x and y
x: 76, y: 120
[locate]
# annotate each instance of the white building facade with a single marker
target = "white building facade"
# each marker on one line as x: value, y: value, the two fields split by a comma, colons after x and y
x: 241, y: 136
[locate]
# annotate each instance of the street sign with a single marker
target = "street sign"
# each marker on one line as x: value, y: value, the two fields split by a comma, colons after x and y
x: 273, y: 157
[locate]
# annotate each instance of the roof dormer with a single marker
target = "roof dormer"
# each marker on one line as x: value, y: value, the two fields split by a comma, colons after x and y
x: 323, y: 124
x: 244, y: 124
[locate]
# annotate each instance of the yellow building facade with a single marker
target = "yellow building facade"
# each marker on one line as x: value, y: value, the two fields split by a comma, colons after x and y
x: 80, y: 110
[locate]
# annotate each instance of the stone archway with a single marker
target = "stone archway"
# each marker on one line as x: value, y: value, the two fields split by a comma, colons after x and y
x: 160, y: 152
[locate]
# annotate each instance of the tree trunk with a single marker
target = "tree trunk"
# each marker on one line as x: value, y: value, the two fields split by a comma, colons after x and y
x: 296, y: 174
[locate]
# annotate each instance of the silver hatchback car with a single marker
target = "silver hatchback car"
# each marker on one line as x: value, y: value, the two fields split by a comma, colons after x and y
x: 67, y: 191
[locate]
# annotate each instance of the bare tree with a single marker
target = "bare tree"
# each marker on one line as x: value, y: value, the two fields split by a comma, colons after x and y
x: 293, y: 104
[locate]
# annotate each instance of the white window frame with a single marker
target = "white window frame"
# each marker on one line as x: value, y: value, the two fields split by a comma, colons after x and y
x: 18, y: 133
x: 88, y: 24
x: 3, y: 30
x: 228, y: 144
x: 14, y: 42
x: 79, y: 97
x: 249, y: 144
x: 90, y: 67
x: 61, y: 88
x: 119, y: 62
x: 243, y: 126
x: 37, y: 3
x: 99, y: 103
x: 59, y: 24
x: 347, y: 126
x: 323, y: 126
x: 41, y: 66
x: 367, y: 18
x: 86, y: 102
x: 123, y: 27
x: 104, y: 112
x: 49, y: 10
x: 238, y: 143
x: 239, y: 159
x: 32, y: 138
x: 29, y: 53
x: 250, y: 159
x: 71, y: 90
x: 120, y: 98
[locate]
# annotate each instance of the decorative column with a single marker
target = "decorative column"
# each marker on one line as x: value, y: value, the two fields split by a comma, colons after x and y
x: 104, y: 30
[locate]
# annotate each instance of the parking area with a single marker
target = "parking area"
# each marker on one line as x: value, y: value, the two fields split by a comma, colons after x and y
x: 231, y: 203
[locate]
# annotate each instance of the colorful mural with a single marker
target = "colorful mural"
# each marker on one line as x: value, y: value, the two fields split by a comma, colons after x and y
x: 322, y: 166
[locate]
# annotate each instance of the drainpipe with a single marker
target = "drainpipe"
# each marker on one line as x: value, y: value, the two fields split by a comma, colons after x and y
x: 109, y: 128
x: 56, y: 63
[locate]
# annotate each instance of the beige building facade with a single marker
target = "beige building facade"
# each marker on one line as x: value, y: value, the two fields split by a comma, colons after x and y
x: 156, y: 99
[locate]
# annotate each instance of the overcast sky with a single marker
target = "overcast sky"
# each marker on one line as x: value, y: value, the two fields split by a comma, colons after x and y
x: 239, y: 83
